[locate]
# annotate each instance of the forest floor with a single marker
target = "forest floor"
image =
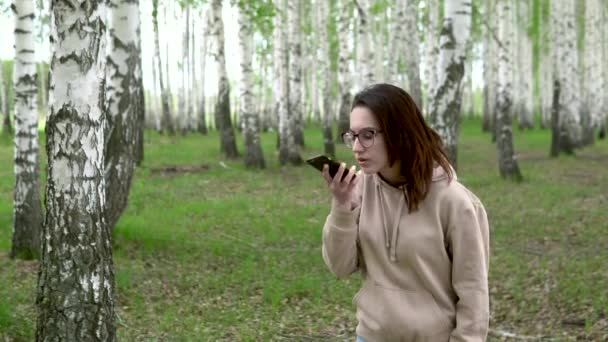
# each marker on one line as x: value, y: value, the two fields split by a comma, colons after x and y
x: 209, y: 251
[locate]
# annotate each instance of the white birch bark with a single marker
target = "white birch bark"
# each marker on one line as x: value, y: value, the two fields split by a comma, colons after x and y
x: 76, y: 279
x: 204, y: 44
x: 396, y: 36
x: 27, y: 212
x: 277, y: 60
x: 431, y: 51
x: 523, y: 73
x: 366, y: 53
x: 565, y: 57
x: 253, y: 156
x: 412, y: 51
x: 166, y: 119
x: 192, y: 86
x: 295, y: 72
x: 325, y: 80
x: 288, y: 150
x: 489, y: 51
x: 594, y: 77
x: 3, y: 102
x: 446, y: 102
x: 507, y: 164
x: 182, y: 67
x: 223, y: 118
x: 122, y: 94
x: 344, y: 79
x: 545, y: 72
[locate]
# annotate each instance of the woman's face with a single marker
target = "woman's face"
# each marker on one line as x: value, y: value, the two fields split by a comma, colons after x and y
x: 373, y: 157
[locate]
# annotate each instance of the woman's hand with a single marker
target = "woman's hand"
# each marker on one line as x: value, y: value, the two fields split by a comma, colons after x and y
x: 341, y: 189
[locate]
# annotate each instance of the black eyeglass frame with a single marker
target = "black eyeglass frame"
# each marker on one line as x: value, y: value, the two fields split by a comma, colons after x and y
x: 352, y: 136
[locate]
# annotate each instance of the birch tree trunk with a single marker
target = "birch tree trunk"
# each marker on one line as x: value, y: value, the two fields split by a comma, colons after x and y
x: 412, y: 52
x: 431, y: 51
x: 523, y: 74
x: 253, y: 156
x: 344, y: 79
x: 166, y: 120
x: 325, y: 81
x: 7, y: 127
x: 594, y: 78
x: 76, y: 278
x: 194, y: 87
x: 288, y: 149
x: 445, y: 108
x: 366, y: 55
x: 27, y: 211
x: 489, y: 61
x: 604, y: 113
x: 545, y: 70
x: 182, y: 66
x: 202, y: 120
x: 222, y: 107
x: 507, y: 164
x: 295, y: 72
x: 123, y: 97
x: 396, y: 37
x: 565, y: 57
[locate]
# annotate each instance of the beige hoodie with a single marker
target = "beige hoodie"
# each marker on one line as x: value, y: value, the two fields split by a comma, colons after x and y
x: 425, y: 273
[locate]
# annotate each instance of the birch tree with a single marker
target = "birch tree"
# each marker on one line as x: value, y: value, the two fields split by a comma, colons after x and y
x: 182, y: 112
x: 7, y: 127
x: 507, y: 164
x: 431, y: 50
x: 76, y: 279
x: 295, y: 71
x: 565, y: 70
x: 489, y: 67
x: 223, y: 120
x: 523, y: 75
x: 27, y: 211
x: 366, y: 54
x: 288, y: 149
x: 344, y: 78
x: 325, y: 80
x: 594, y: 78
x: 396, y: 37
x: 253, y: 156
x: 202, y: 120
x: 412, y: 53
x: 166, y: 120
x: 123, y: 98
x: 545, y: 66
x: 447, y: 98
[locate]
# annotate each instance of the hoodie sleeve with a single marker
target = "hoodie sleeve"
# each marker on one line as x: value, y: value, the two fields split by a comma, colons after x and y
x: 340, y: 234
x: 468, y: 236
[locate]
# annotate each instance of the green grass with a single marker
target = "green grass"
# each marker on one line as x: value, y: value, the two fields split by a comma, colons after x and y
x: 231, y: 254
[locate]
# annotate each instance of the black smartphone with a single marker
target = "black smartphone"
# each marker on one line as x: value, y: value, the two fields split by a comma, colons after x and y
x: 318, y: 161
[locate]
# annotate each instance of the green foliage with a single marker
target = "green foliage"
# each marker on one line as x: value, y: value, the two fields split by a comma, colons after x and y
x: 234, y: 255
x: 378, y: 7
x: 261, y: 13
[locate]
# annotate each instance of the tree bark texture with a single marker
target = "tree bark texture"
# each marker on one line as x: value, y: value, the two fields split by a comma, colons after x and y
x: 223, y: 119
x: 27, y: 210
x: 445, y: 109
x: 253, y: 156
x: 76, y: 279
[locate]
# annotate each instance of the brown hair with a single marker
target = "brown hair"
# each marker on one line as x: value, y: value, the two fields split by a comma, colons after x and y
x: 408, y: 138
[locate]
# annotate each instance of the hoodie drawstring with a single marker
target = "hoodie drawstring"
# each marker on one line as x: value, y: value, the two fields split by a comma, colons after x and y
x: 391, y: 244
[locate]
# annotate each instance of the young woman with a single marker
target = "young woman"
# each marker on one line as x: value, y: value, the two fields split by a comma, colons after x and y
x: 419, y: 238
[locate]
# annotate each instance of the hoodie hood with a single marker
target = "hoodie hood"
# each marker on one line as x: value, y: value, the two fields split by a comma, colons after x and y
x: 386, y: 192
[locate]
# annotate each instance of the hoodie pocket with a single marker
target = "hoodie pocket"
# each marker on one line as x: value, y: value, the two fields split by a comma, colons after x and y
x: 401, y: 314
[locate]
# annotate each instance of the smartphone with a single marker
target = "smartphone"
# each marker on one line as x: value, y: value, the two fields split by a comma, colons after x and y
x: 318, y: 161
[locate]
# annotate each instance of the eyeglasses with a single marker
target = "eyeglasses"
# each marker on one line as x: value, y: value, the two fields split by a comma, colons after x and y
x: 366, y: 137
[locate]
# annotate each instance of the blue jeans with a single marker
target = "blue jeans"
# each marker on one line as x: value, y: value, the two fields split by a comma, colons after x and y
x: 360, y: 339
